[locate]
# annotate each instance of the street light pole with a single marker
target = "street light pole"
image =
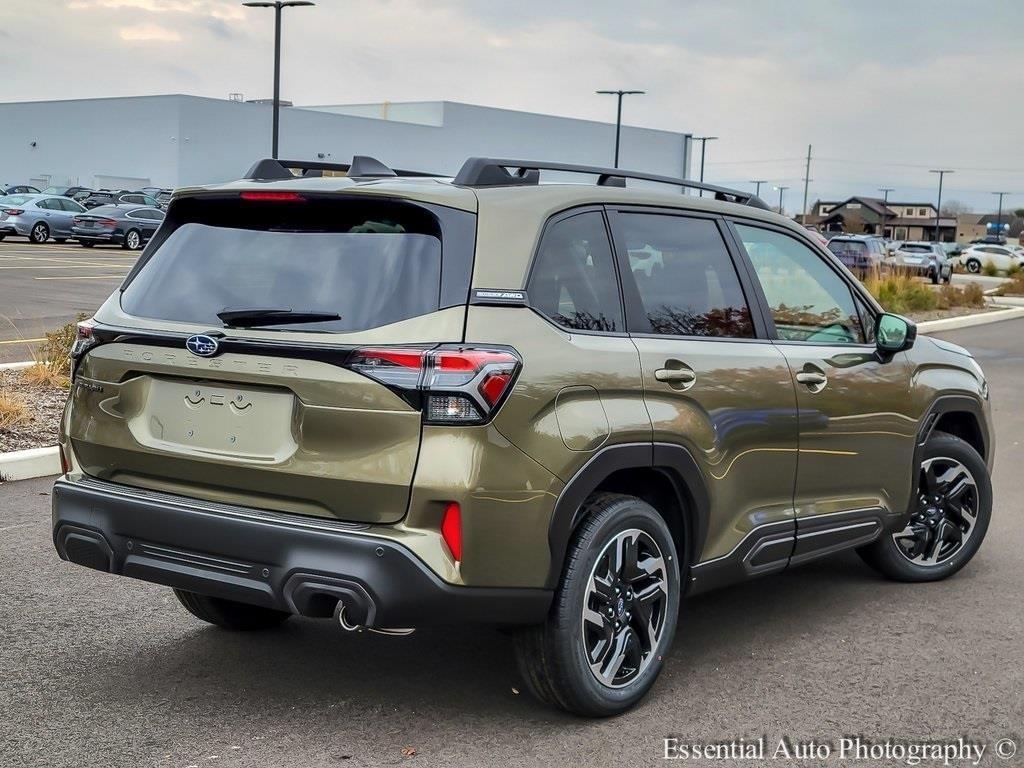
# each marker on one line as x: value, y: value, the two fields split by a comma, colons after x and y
x: 781, y: 190
x: 938, y: 205
x: 885, y: 203
x: 277, y: 5
x: 703, y: 144
x: 999, y: 216
x: 618, y: 116
x: 757, y: 186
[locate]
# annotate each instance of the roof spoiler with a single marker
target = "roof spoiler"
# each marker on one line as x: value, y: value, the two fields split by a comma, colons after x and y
x: 362, y: 166
x: 488, y: 172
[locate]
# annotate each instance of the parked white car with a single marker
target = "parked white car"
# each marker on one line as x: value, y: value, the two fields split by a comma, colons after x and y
x: 1002, y: 257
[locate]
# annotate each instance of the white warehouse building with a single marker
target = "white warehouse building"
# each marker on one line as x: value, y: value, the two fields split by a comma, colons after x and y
x: 178, y: 140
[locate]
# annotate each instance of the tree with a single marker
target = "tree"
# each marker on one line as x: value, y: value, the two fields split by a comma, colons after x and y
x: 1019, y: 213
x: 954, y: 208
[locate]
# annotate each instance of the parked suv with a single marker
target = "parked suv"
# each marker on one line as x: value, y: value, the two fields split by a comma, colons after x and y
x: 925, y: 259
x: 861, y: 254
x: 559, y: 408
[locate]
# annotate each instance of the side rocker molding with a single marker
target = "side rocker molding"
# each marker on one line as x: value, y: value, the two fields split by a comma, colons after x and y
x: 674, y: 460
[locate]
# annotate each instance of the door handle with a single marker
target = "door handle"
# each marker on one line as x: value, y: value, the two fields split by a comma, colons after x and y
x: 814, y: 379
x: 680, y: 376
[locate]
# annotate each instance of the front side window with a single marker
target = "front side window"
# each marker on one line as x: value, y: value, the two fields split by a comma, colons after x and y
x: 808, y: 300
x: 573, y: 281
x: 685, y: 277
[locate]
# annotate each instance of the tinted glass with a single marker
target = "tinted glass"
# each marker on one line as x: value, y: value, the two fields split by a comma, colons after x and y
x: 808, y: 300
x: 15, y: 199
x: 686, y: 280
x: 370, y: 278
x: 49, y: 204
x: 573, y: 280
x: 917, y: 248
x: 107, y: 210
x: 70, y: 205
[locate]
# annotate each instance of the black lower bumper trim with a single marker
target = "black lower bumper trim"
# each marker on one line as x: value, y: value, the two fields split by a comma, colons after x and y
x: 270, y: 563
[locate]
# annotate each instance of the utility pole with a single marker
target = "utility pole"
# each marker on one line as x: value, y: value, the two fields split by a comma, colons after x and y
x: 618, y: 116
x: 885, y: 202
x: 999, y: 216
x: 757, y: 185
x: 938, y: 205
x: 781, y: 190
x: 277, y: 5
x: 807, y: 181
x: 703, y: 143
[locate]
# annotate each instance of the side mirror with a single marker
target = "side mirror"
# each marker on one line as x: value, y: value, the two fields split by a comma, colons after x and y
x: 894, y: 334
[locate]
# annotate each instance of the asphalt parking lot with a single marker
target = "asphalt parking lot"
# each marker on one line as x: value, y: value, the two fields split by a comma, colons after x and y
x: 44, y: 286
x: 98, y: 670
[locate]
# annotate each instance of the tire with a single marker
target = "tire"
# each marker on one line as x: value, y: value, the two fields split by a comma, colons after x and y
x: 132, y: 240
x: 39, y: 233
x: 892, y: 559
x: 934, y: 276
x: 553, y: 657
x: 86, y: 243
x: 2, y: 237
x: 949, y: 277
x: 973, y: 266
x: 228, y: 613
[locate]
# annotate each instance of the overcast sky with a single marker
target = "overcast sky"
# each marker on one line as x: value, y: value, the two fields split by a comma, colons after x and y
x: 883, y: 90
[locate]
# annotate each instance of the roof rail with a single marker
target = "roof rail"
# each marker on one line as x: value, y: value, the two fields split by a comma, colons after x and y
x: 488, y: 172
x: 269, y: 169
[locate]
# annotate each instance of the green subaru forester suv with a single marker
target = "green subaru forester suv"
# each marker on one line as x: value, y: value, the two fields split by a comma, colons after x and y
x: 397, y: 400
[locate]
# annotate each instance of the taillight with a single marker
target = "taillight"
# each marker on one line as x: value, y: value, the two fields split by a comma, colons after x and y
x: 453, y: 385
x: 65, y: 464
x: 85, y: 340
x: 271, y: 196
x: 108, y: 223
x: 14, y: 211
x: 451, y: 529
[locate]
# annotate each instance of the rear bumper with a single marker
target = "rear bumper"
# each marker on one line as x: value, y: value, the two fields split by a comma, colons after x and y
x: 300, y: 565
x: 96, y: 237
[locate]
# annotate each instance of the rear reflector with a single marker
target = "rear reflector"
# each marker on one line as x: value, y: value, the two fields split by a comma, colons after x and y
x: 451, y: 529
x: 457, y: 385
x: 270, y: 196
x: 65, y: 465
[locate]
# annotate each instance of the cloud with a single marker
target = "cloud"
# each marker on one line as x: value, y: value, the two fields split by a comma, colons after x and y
x: 217, y: 9
x: 148, y: 33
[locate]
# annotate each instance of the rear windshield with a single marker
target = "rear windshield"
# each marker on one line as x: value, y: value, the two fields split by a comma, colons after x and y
x: 374, y: 270
x: 911, y: 248
x: 16, y: 199
x: 848, y: 247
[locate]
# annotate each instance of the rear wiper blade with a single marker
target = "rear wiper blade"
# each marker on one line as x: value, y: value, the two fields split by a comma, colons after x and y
x: 257, y: 316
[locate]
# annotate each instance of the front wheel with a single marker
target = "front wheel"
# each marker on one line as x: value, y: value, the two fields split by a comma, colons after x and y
x: 132, y: 240
x: 973, y: 266
x: 228, y: 613
x: 39, y: 233
x: 613, y: 616
x: 949, y: 518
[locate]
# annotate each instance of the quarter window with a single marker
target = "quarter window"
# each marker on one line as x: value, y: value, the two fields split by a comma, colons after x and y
x: 685, y: 277
x: 573, y: 280
x: 808, y: 300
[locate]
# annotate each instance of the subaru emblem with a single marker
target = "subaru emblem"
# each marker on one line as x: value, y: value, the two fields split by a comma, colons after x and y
x: 203, y: 346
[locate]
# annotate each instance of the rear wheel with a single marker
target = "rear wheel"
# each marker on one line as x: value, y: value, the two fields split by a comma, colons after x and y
x: 973, y: 266
x: 228, y: 613
x: 613, y: 616
x: 949, y: 520
x: 39, y: 233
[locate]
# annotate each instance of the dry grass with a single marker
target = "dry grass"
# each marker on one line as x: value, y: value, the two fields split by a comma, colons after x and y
x: 47, y: 375
x: 53, y: 359
x: 13, y: 411
x: 1015, y: 287
x: 902, y: 294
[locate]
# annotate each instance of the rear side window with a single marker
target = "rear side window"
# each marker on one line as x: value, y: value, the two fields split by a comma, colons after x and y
x: 373, y: 263
x: 686, y: 280
x: 573, y: 280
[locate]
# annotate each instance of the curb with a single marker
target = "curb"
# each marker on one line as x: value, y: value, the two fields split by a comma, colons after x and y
x: 33, y: 462
x: 17, y: 366
x: 969, y: 321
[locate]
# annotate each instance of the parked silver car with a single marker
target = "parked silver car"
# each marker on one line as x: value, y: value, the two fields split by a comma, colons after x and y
x: 38, y: 217
x: 923, y: 258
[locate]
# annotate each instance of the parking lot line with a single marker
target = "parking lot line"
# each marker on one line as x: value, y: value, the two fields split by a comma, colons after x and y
x: 84, y: 277
x: 21, y: 341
